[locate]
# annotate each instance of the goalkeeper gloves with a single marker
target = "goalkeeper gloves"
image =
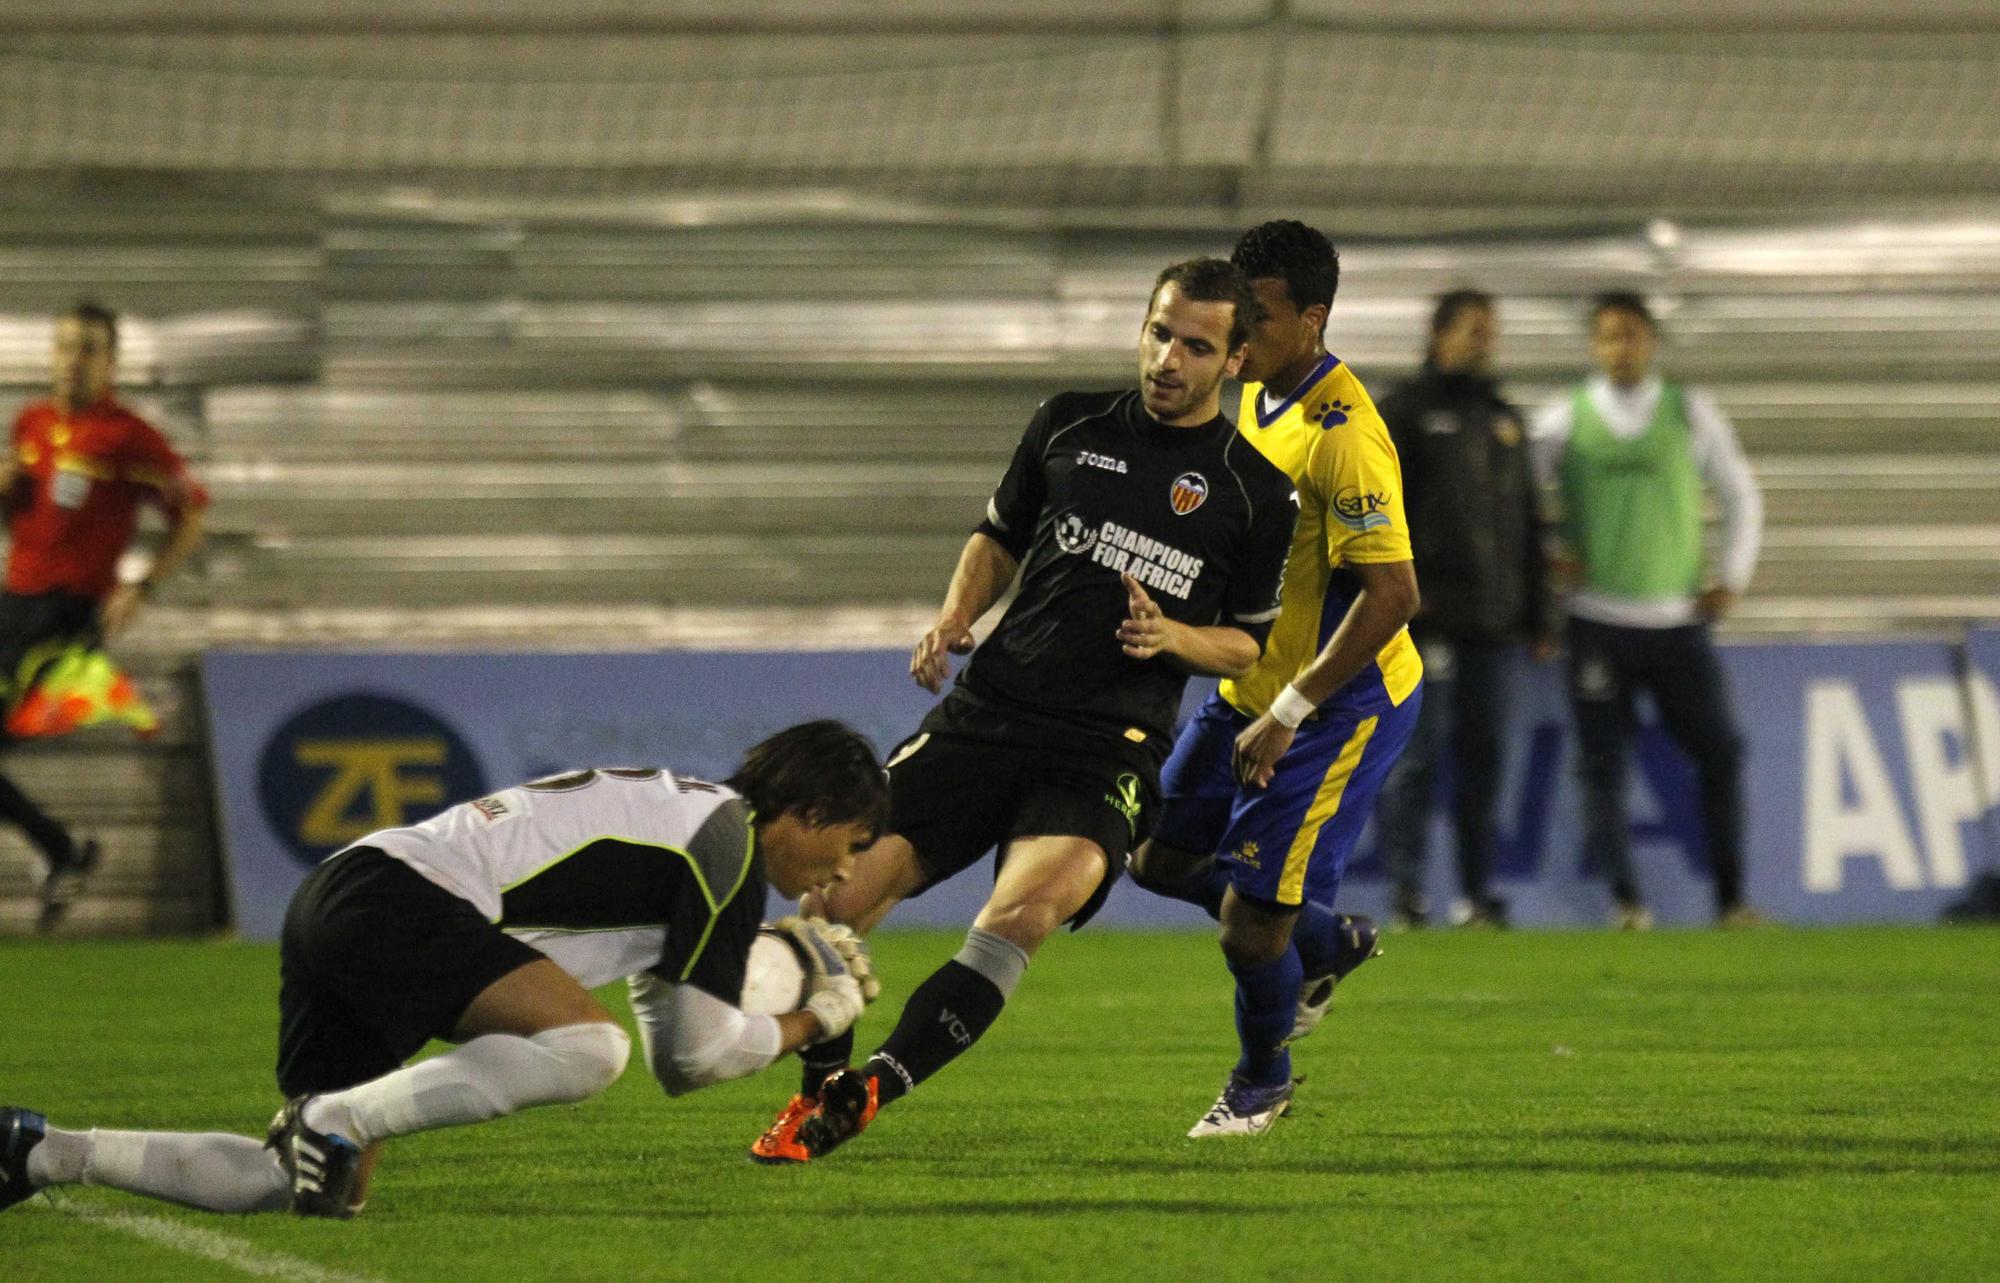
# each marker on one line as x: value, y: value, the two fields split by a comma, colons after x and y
x: 840, y: 980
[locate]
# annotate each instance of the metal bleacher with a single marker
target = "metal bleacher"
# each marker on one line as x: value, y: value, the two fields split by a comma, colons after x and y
x: 544, y: 431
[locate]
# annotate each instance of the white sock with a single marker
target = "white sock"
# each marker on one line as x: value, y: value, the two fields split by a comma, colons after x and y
x: 486, y: 1078
x: 59, y: 1159
x: 212, y: 1170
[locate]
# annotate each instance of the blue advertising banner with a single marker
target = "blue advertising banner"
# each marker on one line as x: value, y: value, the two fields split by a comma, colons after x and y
x: 314, y: 750
x: 1982, y: 696
x: 1866, y: 799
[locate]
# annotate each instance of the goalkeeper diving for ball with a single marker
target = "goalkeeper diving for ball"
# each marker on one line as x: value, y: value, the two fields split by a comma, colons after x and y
x: 487, y: 926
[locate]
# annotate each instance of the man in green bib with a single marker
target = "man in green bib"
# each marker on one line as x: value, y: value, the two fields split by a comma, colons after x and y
x: 1631, y: 455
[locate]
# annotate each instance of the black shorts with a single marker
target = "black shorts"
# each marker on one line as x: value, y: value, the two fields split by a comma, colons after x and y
x: 375, y: 961
x: 956, y: 795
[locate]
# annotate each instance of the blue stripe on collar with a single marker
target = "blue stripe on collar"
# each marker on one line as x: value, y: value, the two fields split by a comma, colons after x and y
x: 1328, y: 364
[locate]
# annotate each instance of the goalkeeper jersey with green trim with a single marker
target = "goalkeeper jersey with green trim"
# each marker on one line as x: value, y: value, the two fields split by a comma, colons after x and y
x: 611, y: 872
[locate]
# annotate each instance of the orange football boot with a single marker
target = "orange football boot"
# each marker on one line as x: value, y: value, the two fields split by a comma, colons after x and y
x: 780, y: 1141
x: 848, y: 1102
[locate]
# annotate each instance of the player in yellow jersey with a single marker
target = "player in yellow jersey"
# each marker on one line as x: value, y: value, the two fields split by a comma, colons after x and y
x: 1269, y: 786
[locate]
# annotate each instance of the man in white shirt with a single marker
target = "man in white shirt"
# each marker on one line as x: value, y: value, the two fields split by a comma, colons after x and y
x: 1631, y: 455
x: 487, y: 926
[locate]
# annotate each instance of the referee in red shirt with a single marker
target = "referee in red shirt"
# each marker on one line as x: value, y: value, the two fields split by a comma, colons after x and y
x: 80, y: 467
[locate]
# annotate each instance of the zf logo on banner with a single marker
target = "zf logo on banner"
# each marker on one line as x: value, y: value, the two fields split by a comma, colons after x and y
x: 350, y: 765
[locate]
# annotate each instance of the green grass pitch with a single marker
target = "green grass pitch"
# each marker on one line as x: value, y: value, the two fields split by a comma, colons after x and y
x: 1534, y: 1106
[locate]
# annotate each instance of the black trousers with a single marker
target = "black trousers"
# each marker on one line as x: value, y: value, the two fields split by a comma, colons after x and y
x: 1679, y: 669
x: 27, y: 622
x: 1467, y: 689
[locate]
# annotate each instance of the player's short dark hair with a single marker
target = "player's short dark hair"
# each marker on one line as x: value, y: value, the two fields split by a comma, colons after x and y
x: 1214, y: 280
x: 1445, y: 312
x: 824, y: 771
x: 1302, y: 257
x: 1627, y: 301
x: 89, y: 311
x: 1450, y: 305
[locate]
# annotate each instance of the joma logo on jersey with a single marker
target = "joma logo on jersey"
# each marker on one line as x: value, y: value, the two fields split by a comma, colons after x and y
x: 1093, y: 460
x: 1359, y: 510
x: 1190, y: 489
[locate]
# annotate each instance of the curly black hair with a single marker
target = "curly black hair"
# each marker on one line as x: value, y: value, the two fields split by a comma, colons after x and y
x: 823, y: 771
x: 1299, y: 255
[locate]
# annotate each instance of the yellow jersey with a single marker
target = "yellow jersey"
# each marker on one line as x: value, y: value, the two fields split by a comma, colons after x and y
x: 1329, y: 439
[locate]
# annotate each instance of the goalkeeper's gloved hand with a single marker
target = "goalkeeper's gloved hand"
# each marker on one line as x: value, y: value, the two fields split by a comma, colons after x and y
x: 835, y: 992
x: 854, y: 952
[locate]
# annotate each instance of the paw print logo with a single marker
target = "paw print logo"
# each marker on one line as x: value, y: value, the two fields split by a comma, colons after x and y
x: 1329, y: 414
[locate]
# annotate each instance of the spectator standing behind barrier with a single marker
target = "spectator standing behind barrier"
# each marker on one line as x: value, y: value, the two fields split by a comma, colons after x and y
x: 1629, y: 453
x: 80, y: 467
x: 1476, y: 530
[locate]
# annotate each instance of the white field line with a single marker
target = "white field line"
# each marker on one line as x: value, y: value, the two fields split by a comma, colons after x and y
x: 211, y: 1245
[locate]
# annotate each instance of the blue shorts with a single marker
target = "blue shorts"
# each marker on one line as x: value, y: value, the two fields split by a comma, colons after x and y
x: 1290, y: 842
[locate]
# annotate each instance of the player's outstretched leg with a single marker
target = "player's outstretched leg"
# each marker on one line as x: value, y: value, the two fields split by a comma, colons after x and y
x: 1044, y: 882
x: 943, y: 1018
x: 214, y: 1171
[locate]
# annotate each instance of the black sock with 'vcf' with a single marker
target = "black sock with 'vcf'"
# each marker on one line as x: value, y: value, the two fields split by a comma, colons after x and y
x: 948, y: 1012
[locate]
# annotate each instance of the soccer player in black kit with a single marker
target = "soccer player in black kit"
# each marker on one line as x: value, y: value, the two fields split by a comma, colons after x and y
x: 1149, y: 540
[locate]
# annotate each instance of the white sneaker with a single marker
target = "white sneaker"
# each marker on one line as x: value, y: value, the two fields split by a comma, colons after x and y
x: 1244, y: 1110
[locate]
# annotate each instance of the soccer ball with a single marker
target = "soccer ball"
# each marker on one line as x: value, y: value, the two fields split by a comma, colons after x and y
x: 774, y: 979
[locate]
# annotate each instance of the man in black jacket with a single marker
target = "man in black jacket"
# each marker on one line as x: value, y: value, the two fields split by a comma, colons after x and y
x: 1476, y: 529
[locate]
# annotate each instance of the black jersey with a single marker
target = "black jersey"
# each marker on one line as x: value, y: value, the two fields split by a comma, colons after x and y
x: 1098, y: 487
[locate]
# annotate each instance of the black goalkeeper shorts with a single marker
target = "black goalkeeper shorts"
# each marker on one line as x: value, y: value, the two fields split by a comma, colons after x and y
x: 375, y: 961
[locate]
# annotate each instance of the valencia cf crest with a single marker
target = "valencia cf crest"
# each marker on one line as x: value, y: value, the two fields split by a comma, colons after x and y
x: 1190, y: 490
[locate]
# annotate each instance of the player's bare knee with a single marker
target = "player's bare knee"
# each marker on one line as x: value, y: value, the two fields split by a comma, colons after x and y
x: 1252, y: 945
x: 1254, y: 934
x: 1025, y: 924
